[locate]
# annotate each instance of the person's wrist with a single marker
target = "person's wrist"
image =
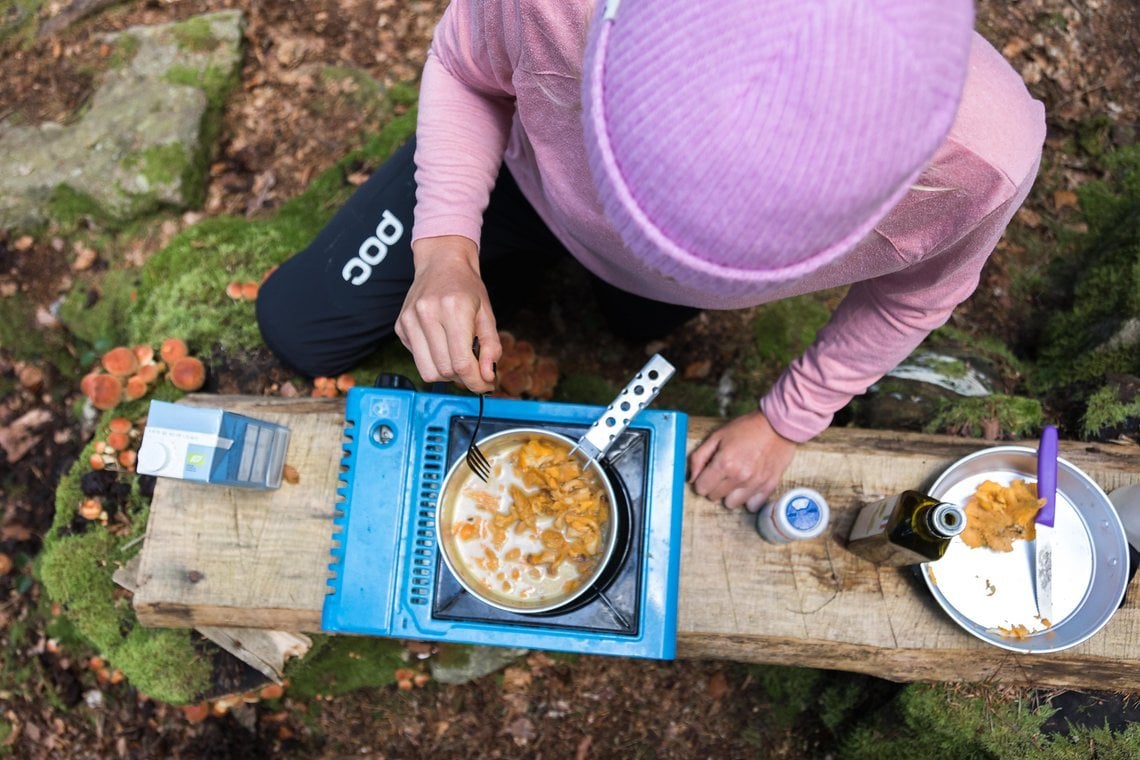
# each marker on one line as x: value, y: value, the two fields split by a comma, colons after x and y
x: 445, y: 247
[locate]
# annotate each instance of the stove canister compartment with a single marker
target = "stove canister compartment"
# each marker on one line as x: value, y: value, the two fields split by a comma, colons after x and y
x: 799, y: 514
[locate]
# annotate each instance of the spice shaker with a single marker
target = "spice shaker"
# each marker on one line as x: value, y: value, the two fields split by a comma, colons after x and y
x: 798, y: 514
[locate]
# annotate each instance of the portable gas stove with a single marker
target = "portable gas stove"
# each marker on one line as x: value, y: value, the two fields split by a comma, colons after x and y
x: 388, y: 578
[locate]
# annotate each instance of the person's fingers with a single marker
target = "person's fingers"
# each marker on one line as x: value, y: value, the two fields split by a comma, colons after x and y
x: 490, y: 347
x: 756, y: 501
x: 416, y: 342
x: 736, y: 498
x: 699, y: 458
x: 463, y: 365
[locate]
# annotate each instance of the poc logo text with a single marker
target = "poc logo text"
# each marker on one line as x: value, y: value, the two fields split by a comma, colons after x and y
x: 373, y: 250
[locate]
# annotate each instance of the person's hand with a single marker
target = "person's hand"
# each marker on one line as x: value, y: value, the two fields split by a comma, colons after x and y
x: 446, y: 308
x: 741, y: 463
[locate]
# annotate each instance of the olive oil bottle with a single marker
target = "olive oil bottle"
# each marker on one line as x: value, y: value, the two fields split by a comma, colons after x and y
x: 905, y: 529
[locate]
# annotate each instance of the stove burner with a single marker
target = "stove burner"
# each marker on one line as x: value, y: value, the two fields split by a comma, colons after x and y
x: 613, y: 604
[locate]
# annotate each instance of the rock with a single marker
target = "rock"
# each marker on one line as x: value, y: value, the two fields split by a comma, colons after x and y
x: 908, y: 397
x: 140, y: 144
x: 481, y: 661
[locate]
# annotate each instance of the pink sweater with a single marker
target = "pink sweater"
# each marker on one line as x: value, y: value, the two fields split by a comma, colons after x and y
x: 502, y: 83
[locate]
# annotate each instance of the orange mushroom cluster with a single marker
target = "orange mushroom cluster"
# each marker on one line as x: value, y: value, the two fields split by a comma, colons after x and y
x: 522, y: 373
x: 242, y: 291
x: 119, y: 448
x: 199, y: 711
x: 104, y: 674
x: 406, y: 678
x: 129, y: 373
x: 331, y: 387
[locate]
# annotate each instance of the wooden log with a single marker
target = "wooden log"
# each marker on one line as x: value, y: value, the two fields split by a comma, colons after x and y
x: 216, y: 556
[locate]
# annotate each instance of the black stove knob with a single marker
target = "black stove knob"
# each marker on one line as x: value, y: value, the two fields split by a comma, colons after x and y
x: 394, y: 380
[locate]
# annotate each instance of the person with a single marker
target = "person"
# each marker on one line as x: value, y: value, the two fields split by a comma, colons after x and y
x: 690, y: 155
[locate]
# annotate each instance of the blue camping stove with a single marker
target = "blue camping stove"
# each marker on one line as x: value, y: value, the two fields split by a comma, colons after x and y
x: 388, y: 578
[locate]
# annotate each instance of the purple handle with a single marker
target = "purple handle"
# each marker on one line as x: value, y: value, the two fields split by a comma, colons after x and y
x: 1047, y: 475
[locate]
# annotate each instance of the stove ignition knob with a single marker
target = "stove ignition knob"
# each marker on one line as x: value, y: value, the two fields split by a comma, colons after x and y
x: 383, y: 434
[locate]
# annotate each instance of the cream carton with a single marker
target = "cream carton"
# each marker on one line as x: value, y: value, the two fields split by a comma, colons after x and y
x: 212, y: 446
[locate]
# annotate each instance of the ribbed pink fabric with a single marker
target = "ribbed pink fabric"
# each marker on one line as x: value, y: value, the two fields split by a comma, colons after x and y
x: 503, y: 82
x: 748, y: 141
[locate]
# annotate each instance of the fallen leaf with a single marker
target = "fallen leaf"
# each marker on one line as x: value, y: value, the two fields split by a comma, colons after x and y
x: 1028, y: 217
x: 1064, y: 198
x: 718, y: 685
x: 18, y: 438
x: 15, y: 532
x: 290, y: 474
x: 697, y: 370
x: 522, y: 731
x: 516, y: 679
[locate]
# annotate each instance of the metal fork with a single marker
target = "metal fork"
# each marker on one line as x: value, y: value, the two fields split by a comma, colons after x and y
x: 476, y: 459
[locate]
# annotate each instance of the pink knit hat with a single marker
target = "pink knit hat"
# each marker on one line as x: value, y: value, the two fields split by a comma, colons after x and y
x: 744, y: 141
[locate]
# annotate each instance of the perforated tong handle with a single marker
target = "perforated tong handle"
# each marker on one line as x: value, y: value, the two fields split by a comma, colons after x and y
x: 634, y: 397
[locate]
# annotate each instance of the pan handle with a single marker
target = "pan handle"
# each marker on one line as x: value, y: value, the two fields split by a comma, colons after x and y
x: 635, y: 396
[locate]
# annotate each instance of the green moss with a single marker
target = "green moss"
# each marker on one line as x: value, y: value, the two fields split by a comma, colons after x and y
x: 780, y: 331
x: 363, y: 90
x: 990, y: 348
x: 70, y: 209
x: 791, y: 690
x: 159, y: 164
x: 25, y: 340
x: 937, y: 721
x: 690, y: 397
x: 345, y: 663
x: 1016, y: 416
x: 96, y: 313
x: 1102, y: 276
x: 585, y: 389
x: 123, y: 52
x: 163, y: 663
x: 1105, y: 409
x: 214, y: 81
x: 1093, y: 135
x: 76, y: 571
x: 19, y: 19
x: 196, y: 35
x: 182, y: 287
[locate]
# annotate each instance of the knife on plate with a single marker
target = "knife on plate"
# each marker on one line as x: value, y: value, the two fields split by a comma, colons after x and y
x: 1043, y: 545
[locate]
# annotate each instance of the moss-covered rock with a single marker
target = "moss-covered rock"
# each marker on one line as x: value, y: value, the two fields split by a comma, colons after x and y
x: 76, y: 567
x: 182, y: 288
x: 144, y: 141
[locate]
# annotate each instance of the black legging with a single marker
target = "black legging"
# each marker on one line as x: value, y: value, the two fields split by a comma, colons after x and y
x: 329, y: 306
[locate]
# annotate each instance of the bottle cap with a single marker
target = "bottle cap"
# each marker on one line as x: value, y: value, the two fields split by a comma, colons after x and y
x: 949, y: 519
x: 798, y: 514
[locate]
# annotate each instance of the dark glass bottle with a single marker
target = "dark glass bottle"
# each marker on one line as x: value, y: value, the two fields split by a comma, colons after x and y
x: 905, y: 529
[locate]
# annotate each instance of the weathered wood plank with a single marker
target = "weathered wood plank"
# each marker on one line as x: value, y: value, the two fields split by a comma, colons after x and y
x: 812, y: 603
x: 216, y: 556
x: 243, y: 558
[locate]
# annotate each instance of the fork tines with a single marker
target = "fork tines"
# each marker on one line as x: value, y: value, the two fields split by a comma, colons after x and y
x: 478, y: 463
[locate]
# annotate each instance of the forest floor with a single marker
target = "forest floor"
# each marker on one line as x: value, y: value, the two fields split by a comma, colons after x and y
x: 284, y: 126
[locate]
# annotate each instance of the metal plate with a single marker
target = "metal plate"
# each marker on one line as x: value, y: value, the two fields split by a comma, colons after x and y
x: 985, y: 591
